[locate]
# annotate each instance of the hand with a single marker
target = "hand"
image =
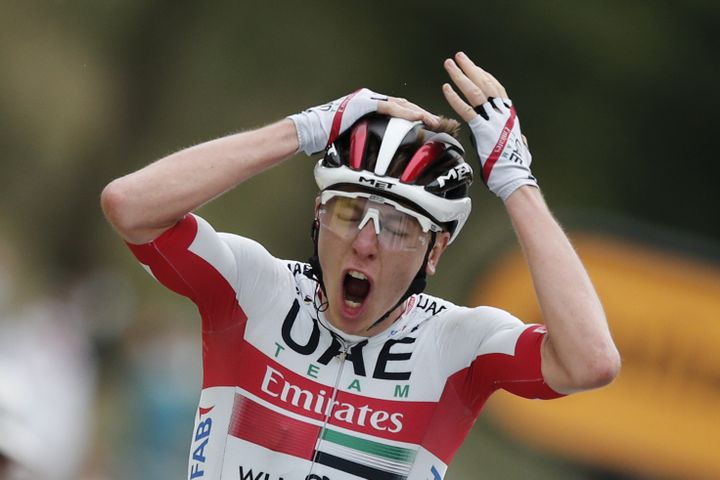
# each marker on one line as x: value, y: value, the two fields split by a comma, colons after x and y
x: 502, y: 148
x: 319, y: 126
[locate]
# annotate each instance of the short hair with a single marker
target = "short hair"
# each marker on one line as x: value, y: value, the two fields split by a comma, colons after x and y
x: 447, y: 125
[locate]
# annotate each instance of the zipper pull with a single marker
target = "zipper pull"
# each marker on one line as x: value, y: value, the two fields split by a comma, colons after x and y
x: 344, y: 353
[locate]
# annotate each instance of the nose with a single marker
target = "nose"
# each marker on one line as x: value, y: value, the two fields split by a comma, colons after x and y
x: 366, y: 241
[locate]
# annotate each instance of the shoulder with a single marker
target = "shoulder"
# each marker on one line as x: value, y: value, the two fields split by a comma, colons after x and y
x: 461, y: 334
x: 238, y: 242
x: 246, y: 263
x: 451, y: 320
x: 251, y: 256
x: 446, y: 312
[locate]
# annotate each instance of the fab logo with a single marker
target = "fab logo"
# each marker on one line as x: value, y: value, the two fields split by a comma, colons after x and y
x: 200, y: 441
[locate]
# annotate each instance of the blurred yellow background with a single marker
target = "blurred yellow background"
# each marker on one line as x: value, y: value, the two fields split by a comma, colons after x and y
x: 659, y: 417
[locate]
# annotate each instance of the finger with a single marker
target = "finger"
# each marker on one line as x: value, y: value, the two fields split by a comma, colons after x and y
x: 412, y: 106
x: 503, y: 92
x: 489, y: 84
x: 418, y: 113
x: 478, y: 76
x: 408, y: 111
x: 458, y: 104
x: 404, y: 102
x: 472, y: 92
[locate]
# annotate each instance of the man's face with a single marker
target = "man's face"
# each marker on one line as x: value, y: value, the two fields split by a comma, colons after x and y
x: 364, y: 276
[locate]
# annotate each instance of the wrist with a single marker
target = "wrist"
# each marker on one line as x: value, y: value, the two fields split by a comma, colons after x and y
x: 294, y: 120
x: 302, y: 132
x: 523, y: 196
x: 291, y: 134
x: 511, y: 187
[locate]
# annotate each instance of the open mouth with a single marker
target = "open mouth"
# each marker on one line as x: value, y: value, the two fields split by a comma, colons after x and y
x: 356, y: 288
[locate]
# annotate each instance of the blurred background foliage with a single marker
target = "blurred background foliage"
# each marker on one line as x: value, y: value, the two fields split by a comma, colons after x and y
x: 618, y: 100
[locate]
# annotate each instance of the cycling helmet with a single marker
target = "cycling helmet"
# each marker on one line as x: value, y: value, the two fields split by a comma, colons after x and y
x: 404, y: 161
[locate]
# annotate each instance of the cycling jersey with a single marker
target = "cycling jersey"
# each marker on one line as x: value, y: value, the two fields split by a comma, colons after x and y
x: 288, y: 396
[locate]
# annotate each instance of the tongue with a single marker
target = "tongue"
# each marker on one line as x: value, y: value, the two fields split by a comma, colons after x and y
x: 356, y: 289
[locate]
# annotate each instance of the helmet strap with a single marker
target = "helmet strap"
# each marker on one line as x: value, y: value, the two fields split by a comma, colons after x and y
x: 315, y: 271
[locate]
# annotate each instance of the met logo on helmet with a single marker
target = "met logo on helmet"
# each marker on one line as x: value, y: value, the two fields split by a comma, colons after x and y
x: 459, y: 172
x: 379, y: 184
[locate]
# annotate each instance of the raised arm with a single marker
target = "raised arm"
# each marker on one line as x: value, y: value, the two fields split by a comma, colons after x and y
x: 578, y: 353
x: 143, y: 204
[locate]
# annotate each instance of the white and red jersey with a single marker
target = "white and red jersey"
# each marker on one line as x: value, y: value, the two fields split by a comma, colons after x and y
x: 287, y: 396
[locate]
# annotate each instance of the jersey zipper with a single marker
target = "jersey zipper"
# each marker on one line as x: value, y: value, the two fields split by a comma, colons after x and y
x: 329, y: 411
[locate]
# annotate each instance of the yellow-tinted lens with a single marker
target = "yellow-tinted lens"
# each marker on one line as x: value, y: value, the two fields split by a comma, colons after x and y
x: 398, y: 231
x: 342, y: 215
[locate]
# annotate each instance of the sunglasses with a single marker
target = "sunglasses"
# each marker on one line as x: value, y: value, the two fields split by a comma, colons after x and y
x: 397, y: 227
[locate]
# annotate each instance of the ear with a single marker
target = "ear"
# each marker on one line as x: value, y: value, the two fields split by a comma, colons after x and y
x: 441, y: 243
x: 317, y: 205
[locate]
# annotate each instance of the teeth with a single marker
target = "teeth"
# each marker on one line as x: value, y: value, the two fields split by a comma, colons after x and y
x: 358, y: 275
x: 352, y: 304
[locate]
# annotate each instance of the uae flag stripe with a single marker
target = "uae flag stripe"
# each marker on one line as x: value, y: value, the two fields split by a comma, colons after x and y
x: 366, y: 459
x: 362, y: 471
x: 257, y: 424
x: 368, y: 446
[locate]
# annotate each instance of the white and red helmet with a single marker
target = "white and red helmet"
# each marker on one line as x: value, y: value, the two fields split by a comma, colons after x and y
x: 403, y: 161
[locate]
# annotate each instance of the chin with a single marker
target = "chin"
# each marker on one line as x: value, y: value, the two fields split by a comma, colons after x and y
x: 353, y: 326
x: 354, y: 329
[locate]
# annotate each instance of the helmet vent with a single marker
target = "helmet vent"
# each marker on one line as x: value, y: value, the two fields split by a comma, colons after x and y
x: 358, y: 142
x: 424, y: 157
x: 396, y: 131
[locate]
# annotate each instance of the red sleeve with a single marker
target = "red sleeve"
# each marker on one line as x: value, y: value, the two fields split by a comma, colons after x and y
x: 161, y: 255
x: 509, y: 358
x: 520, y: 373
x: 171, y: 261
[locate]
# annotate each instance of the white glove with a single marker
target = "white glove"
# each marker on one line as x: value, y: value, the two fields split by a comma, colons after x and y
x: 317, y: 127
x: 504, y: 156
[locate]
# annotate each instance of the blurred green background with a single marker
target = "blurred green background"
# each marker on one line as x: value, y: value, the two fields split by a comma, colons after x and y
x: 618, y: 101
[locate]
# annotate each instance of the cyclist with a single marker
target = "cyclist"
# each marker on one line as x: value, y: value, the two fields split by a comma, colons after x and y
x: 342, y: 368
